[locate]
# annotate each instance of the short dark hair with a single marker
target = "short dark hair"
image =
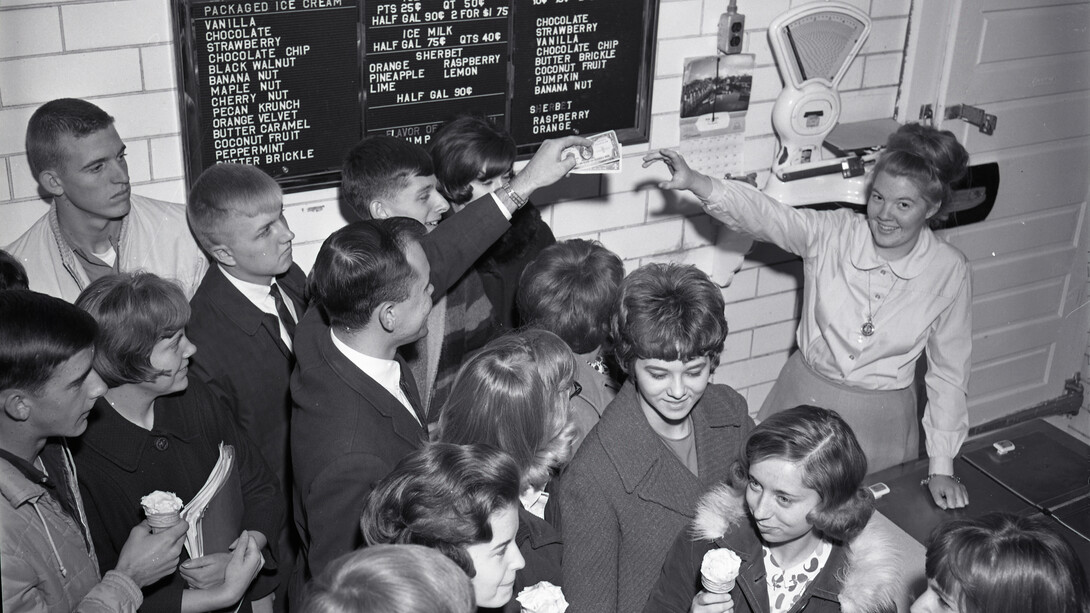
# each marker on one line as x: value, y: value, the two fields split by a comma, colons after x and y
x: 466, y: 149
x: 932, y: 159
x: 391, y: 579
x: 833, y: 465
x: 224, y: 191
x: 134, y: 311
x: 442, y: 496
x: 54, y: 119
x: 514, y: 394
x: 1003, y: 563
x: 668, y: 312
x: 37, y: 334
x: 12, y: 273
x: 362, y: 265
x: 378, y: 167
x: 569, y: 289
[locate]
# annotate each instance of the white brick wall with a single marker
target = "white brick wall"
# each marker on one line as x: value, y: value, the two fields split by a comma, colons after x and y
x: 119, y: 54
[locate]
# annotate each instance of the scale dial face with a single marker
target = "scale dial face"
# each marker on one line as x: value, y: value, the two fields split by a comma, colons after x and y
x: 818, y: 41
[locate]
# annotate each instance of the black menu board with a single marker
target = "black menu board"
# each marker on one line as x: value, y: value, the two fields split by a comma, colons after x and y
x: 574, y: 71
x: 291, y: 85
x: 271, y: 86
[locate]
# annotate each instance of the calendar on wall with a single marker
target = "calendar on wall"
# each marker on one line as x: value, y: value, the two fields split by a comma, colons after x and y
x: 714, y: 102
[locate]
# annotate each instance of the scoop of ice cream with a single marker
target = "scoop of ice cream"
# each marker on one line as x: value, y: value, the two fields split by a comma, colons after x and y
x: 720, y: 566
x: 543, y: 597
x: 160, y: 502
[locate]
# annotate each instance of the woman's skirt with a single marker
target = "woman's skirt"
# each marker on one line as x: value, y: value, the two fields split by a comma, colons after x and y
x: 884, y: 421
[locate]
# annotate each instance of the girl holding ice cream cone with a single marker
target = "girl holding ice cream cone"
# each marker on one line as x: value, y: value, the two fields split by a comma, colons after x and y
x: 158, y: 429
x: 797, y: 520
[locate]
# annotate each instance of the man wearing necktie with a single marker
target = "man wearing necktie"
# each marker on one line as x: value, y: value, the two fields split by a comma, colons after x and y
x: 245, y: 312
x: 356, y: 407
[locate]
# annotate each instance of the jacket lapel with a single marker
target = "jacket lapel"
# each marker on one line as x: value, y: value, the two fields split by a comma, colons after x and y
x: 242, y: 313
x: 645, y: 465
x: 373, y: 394
x: 753, y: 585
x: 294, y: 284
x: 409, y: 388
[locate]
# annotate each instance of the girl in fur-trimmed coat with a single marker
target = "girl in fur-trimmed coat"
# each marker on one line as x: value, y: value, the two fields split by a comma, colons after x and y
x: 801, y: 528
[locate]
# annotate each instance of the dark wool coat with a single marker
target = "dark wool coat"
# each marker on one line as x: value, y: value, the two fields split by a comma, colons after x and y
x: 862, y: 577
x: 626, y: 496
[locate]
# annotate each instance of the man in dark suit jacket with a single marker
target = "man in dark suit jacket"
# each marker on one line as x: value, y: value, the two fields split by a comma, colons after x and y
x: 245, y: 336
x: 357, y: 409
x: 384, y: 177
x: 246, y: 342
x: 357, y: 412
x: 244, y: 313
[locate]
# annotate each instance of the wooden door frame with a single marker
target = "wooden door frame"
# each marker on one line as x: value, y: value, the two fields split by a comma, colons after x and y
x: 924, y: 79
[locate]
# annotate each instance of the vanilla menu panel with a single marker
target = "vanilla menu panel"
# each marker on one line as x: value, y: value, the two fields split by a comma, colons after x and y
x: 276, y: 85
x: 291, y: 85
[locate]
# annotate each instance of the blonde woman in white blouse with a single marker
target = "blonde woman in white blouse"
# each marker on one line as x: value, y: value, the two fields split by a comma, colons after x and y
x: 880, y: 290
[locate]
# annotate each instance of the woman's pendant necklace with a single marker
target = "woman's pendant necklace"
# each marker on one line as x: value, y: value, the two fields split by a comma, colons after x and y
x: 867, y: 328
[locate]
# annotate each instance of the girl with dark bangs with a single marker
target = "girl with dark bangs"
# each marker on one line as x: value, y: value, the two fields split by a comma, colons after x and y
x: 668, y: 437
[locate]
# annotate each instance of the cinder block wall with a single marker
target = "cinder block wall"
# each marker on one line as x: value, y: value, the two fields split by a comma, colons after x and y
x: 120, y: 55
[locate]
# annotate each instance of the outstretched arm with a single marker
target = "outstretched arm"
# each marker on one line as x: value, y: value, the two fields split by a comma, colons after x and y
x: 457, y: 243
x: 682, y: 177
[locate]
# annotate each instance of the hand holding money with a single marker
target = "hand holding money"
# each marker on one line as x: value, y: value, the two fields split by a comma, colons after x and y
x: 603, y: 155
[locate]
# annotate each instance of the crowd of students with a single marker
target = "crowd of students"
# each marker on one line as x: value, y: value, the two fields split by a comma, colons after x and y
x: 452, y: 406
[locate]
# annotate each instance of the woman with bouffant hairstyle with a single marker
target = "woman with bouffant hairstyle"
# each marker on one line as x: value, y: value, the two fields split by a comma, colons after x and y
x: 881, y: 289
x: 796, y: 515
x: 391, y: 579
x: 666, y: 439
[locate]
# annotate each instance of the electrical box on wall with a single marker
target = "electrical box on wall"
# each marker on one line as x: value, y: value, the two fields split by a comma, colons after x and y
x: 732, y: 26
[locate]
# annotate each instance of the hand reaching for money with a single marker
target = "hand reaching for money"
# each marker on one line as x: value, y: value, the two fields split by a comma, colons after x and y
x: 603, y: 155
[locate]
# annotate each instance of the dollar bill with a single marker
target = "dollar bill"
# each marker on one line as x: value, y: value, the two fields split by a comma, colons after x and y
x: 607, y: 167
x: 602, y: 156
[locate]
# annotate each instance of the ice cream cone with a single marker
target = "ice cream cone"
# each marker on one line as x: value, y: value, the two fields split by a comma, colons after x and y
x: 718, y: 570
x: 716, y: 588
x: 163, y: 510
x: 163, y: 521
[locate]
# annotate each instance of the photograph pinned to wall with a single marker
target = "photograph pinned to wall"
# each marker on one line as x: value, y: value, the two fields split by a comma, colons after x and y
x: 714, y: 99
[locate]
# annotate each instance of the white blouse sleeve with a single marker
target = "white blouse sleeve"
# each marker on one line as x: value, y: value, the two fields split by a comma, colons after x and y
x: 949, y: 354
x: 744, y: 208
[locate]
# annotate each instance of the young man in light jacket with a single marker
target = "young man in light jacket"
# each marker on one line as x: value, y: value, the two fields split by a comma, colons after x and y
x: 96, y: 226
x: 47, y: 389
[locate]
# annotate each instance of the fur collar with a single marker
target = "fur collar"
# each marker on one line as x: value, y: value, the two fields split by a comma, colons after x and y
x: 872, y: 576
